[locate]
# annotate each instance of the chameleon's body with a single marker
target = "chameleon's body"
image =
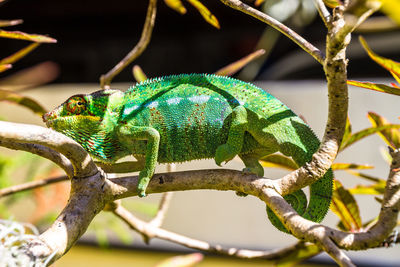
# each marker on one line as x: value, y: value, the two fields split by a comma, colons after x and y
x: 187, y: 117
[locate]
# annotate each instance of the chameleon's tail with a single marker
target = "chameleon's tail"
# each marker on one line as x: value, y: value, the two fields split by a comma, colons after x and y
x: 320, y: 191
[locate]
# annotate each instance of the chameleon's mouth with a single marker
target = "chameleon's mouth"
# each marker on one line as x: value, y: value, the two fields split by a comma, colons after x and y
x: 47, y: 118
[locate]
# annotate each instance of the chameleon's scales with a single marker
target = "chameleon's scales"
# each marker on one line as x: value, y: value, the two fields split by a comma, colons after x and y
x: 195, y: 116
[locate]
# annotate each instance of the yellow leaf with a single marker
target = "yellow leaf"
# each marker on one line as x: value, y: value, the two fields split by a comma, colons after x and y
x: 390, y: 65
x: 345, y: 207
x: 207, y: 15
x: 390, y: 136
x: 258, y: 2
x: 376, y: 87
x: 332, y: 3
x: 347, y: 166
x: 6, y: 23
x: 18, y: 55
x: 181, y: 261
x: 237, y: 65
x: 278, y: 161
x: 22, y: 100
x: 139, y: 74
x: 5, y: 67
x: 25, y: 36
x: 176, y: 5
x: 392, y: 9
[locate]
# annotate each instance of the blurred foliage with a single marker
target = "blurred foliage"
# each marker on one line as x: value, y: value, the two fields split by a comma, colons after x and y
x: 181, y: 261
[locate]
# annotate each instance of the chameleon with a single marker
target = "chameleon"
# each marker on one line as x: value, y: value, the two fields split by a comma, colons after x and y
x: 186, y: 117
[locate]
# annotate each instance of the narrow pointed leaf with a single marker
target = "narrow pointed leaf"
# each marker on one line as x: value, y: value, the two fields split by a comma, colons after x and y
x: 347, y: 166
x: 5, y: 67
x: 345, y: 207
x: 25, y: 36
x: 364, y: 176
x: 375, y: 189
x: 138, y: 73
x: 332, y: 3
x: 6, y: 23
x: 176, y: 5
x: 388, y: 64
x: 237, y: 65
x: 367, y: 132
x: 397, y: 78
x: 259, y: 2
x: 376, y: 87
x: 20, y: 54
x: 303, y: 252
x: 207, y: 15
x: 278, y: 161
x: 182, y: 261
x: 22, y: 100
x: 347, y: 132
x: 391, y: 135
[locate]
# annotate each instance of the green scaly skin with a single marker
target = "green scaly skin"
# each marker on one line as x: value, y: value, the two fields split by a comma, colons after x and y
x: 194, y: 116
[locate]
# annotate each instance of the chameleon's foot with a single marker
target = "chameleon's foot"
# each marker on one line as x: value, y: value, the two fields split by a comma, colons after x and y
x: 225, y: 153
x: 142, y: 185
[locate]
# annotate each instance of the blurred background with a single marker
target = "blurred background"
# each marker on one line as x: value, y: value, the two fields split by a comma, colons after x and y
x: 95, y: 35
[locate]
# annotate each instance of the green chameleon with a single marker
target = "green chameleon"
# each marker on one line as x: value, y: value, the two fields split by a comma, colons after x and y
x: 193, y: 116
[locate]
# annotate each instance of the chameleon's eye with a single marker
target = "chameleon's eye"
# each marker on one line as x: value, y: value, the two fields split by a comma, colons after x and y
x: 76, y: 105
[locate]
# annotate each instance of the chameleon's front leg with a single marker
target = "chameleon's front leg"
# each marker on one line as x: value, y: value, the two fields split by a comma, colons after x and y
x: 130, y: 134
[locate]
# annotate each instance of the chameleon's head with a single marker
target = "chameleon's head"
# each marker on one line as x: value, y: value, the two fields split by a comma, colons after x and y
x: 83, y: 113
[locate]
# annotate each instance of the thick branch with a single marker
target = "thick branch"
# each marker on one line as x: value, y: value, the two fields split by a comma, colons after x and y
x: 300, y: 41
x: 106, y: 79
x: 18, y: 133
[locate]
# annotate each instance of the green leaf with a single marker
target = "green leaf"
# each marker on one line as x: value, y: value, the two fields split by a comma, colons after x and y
x: 383, y: 88
x: 18, y: 55
x: 347, y: 166
x: 278, y: 161
x: 207, y: 15
x: 23, y: 101
x: 237, y: 65
x: 304, y: 251
x: 25, y: 36
x: 6, y: 23
x: 345, y: 207
x: 138, y: 73
x: 176, y: 5
x: 391, y: 135
x: 182, y: 261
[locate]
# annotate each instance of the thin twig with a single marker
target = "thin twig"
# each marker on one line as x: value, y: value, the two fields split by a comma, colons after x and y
x: 153, y: 231
x: 300, y: 41
x: 31, y: 185
x: 164, y: 202
x: 323, y: 12
x: 106, y: 79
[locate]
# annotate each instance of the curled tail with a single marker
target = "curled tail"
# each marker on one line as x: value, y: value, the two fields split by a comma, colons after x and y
x: 320, y: 191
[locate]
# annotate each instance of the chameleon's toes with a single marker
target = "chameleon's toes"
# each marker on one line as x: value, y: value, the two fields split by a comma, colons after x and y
x: 141, y: 193
x: 142, y: 185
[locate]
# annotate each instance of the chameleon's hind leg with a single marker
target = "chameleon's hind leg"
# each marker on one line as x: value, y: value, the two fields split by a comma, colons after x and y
x: 252, y: 164
x: 233, y: 146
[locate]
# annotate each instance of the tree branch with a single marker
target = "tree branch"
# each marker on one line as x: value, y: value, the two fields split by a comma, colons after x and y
x: 300, y: 41
x: 13, y: 134
x: 31, y: 185
x: 106, y: 79
x: 323, y: 12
